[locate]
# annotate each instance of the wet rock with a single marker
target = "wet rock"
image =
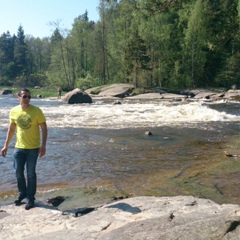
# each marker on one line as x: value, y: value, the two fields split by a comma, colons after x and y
x: 56, y: 201
x: 117, y: 103
x: 148, y: 133
x: 230, y: 154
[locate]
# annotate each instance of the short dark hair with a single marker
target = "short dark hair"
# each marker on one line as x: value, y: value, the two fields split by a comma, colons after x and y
x: 23, y: 90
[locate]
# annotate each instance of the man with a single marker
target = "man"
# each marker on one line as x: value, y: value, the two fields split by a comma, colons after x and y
x: 27, y: 120
x: 59, y: 90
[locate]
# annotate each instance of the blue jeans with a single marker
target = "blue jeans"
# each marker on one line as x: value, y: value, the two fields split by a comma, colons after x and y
x: 26, y: 157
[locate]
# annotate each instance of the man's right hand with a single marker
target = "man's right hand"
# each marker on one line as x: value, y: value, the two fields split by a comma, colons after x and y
x: 4, y: 151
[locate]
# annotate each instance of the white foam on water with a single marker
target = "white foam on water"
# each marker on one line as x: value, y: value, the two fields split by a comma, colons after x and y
x: 131, y: 115
x: 128, y: 114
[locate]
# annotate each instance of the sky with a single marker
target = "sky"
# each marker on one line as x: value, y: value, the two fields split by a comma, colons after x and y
x: 37, y: 16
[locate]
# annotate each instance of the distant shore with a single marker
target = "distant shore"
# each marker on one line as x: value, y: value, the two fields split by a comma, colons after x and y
x: 126, y: 91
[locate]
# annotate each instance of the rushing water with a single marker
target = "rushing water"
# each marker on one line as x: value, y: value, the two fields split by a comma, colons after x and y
x: 104, y: 145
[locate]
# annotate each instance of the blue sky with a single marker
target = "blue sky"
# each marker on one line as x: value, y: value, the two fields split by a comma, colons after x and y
x: 35, y: 16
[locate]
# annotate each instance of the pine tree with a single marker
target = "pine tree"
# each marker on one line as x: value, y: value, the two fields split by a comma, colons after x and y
x: 7, y: 65
x: 137, y: 59
x: 195, y: 55
x: 20, y: 53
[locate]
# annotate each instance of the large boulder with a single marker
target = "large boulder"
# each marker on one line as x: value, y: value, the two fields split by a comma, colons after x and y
x: 232, y: 94
x: 77, y: 96
x: 6, y: 92
x: 205, y: 94
x: 120, y: 90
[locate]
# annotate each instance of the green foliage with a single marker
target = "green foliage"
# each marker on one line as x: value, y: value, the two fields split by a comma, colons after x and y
x: 136, y: 58
x: 230, y: 74
x: 46, y: 91
x: 20, y: 53
x: 95, y: 91
x: 4, y: 81
x: 166, y: 44
x: 31, y: 80
x: 87, y: 82
x: 137, y: 91
x: 195, y: 44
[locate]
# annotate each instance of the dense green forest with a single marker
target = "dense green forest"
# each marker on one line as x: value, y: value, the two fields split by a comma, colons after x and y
x: 150, y: 43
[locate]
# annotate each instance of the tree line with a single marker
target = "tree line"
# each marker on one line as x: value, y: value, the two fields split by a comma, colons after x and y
x: 156, y: 43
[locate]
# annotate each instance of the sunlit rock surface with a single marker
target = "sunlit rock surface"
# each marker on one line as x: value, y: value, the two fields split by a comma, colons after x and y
x: 181, y: 217
x: 77, y: 96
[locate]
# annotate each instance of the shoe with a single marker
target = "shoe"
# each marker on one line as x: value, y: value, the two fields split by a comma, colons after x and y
x: 19, y: 200
x: 29, y: 205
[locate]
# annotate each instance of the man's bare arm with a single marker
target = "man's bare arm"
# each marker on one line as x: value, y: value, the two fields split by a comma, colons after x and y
x: 42, y: 150
x: 10, y: 134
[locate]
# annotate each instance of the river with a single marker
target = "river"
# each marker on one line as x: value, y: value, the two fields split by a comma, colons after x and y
x: 104, y: 146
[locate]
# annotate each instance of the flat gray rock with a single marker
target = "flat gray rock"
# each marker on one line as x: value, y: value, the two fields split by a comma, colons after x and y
x: 120, y: 90
x: 181, y: 217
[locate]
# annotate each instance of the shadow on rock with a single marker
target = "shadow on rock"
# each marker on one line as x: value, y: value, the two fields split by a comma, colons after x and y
x: 79, y: 212
x: 56, y: 201
x: 42, y: 205
x: 126, y: 207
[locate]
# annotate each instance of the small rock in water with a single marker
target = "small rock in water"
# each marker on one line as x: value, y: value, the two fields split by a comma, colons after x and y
x: 148, y: 133
x: 229, y: 154
x: 117, y: 102
x: 165, y: 138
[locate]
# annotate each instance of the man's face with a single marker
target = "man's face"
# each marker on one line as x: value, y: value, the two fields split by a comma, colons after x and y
x: 24, y: 98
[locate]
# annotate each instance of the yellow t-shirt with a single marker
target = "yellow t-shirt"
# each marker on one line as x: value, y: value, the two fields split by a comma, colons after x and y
x: 27, y: 122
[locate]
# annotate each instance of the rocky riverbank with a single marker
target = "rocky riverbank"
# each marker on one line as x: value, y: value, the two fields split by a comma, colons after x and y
x: 181, y: 217
x: 127, y: 91
x: 124, y: 90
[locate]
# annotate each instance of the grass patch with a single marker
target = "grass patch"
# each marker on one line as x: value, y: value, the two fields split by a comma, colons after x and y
x: 43, y: 91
